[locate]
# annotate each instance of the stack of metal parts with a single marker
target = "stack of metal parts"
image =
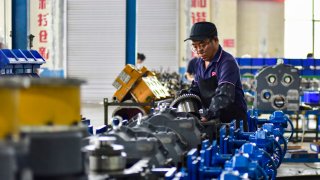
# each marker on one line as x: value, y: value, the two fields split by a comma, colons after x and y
x: 47, y: 131
x: 18, y: 62
x: 138, y: 89
x: 141, y: 84
x: 172, y: 81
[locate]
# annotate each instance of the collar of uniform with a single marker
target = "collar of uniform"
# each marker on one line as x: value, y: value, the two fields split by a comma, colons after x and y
x: 217, y: 56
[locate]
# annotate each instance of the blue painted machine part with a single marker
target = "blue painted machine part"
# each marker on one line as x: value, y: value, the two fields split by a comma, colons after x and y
x: 246, y: 167
x: 90, y: 129
x: 263, y: 139
x: 250, y: 161
x: 171, y: 173
x: 85, y: 121
x: 277, y: 118
x: 262, y: 157
x: 101, y: 129
x: 311, y: 97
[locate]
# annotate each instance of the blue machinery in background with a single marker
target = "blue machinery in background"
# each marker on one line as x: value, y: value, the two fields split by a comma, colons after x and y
x: 18, y: 62
x: 308, y: 67
x: 250, y: 66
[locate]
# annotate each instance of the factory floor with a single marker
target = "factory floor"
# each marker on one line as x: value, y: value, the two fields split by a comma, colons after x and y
x: 304, y: 169
x: 95, y: 112
x: 299, y: 171
x: 292, y: 170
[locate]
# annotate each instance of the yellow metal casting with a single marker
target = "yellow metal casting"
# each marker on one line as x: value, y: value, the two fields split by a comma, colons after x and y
x: 142, y: 84
x: 8, y: 112
x: 9, y: 99
x: 126, y: 80
x: 50, y: 102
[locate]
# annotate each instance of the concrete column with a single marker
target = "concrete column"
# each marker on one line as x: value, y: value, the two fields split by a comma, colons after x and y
x: 224, y: 16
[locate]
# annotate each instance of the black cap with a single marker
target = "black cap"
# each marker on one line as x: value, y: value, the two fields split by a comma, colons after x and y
x: 202, y: 30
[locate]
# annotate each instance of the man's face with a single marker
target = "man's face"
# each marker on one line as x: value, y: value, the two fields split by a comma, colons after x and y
x: 205, y: 49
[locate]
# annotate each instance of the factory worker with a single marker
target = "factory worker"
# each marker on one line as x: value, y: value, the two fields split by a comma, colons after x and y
x: 217, y: 79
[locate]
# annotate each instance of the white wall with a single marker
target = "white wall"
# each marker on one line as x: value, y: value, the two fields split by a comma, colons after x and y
x: 2, y: 15
x: 256, y: 27
x: 298, y: 28
x: 96, y: 37
x: 224, y: 15
x: 5, y: 22
x: 157, y: 34
x: 260, y: 28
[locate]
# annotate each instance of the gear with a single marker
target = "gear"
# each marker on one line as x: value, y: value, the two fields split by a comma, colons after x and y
x: 187, y: 103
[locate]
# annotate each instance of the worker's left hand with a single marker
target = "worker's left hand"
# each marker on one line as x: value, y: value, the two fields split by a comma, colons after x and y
x: 209, y: 114
x: 204, y: 119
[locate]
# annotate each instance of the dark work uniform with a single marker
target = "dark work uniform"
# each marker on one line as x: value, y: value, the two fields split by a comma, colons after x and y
x: 220, y: 89
x: 192, y: 66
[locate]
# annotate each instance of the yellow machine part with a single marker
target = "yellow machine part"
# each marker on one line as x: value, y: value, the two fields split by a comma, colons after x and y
x: 142, y: 93
x: 148, y: 89
x: 43, y: 105
x: 141, y: 84
x: 126, y: 80
x: 8, y: 112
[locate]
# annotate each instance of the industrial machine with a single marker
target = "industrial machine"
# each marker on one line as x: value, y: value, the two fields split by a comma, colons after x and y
x: 168, y: 139
x: 147, y: 146
x: 168, y: 142
x: 9, y: 94
x: 277, y: 88
x: 238, y: 155
x: 51, y: 122
x: 44, y: 129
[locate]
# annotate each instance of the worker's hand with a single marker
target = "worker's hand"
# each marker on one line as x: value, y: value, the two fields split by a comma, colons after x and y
x: 209, y: 114
x: 204, y: 119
